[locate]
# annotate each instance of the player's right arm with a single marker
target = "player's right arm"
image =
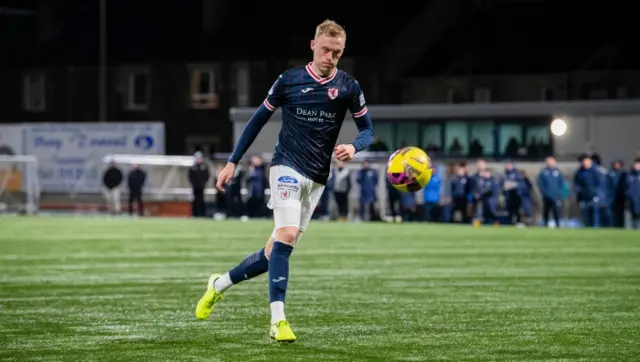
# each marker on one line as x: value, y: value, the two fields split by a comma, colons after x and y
x: 274, y: 99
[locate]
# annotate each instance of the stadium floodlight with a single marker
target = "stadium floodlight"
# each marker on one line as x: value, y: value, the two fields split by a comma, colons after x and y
x: 558, y: 127
x: 19, y: 186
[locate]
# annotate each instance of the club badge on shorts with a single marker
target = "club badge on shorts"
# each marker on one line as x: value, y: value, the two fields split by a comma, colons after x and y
x: 333, y: 93
x: 285, y: 195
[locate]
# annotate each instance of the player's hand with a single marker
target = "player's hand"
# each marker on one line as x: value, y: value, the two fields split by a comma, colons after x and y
x: 225, y: 176
x: 345, y: 153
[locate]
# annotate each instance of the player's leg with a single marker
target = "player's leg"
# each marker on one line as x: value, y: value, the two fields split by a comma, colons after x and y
x: 258, y: 263
x: 546, y: 210
x: 279, y: 261
x: 518, y: 209
x: 289, y: 190
x: 279, y: 249
x: 253, y: 265
x: 556, y: 208
x: 131, y: 200
x: 140, y: 204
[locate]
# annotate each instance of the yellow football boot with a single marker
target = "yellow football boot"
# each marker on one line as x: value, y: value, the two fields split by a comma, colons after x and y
x: 282, y: 332
x: 208, y: 300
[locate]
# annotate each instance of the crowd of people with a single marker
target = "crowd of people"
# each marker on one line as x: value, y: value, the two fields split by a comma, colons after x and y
x: 455, y: 194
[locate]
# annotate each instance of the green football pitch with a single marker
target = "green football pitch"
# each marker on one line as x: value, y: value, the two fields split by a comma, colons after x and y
x: 99, y: 289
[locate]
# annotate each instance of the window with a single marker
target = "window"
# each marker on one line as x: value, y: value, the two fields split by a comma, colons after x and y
x: 538, y: 140
x: 407, y: 134
x: 384, y: 134
x: 456, y: 138
x: 432, y: 137
x: 511, y: 140
x: 482, y: 95
x: 203, y: 93
x: 34, y: 92
x: 138, y: 90
x: 481, y: 139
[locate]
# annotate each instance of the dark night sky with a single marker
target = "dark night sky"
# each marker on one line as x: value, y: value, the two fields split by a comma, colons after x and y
x: 529, y: 36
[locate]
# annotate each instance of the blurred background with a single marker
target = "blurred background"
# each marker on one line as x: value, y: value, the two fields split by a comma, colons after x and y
x: 131, y: 107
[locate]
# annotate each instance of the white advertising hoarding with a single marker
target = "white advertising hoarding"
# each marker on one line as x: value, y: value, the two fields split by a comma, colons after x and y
x: 11, y: 139
x: 70, y: 154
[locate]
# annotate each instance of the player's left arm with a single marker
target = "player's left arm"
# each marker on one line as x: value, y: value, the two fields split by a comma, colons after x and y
x: 360, y: 114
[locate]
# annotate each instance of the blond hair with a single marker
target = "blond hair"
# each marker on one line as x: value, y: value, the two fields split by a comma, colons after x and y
x: 331, y: 29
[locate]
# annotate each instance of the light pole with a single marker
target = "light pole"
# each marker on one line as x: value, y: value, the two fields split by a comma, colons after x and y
x: 102, y: 91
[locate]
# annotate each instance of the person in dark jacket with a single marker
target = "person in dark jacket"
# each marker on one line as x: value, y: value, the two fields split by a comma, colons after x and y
x: 198, y: 178
x: 526, y: 198
x: 408, y: 206
x: 136, y: 180
x: 632, y: 193
x: 615, y: 191
x: 489, y: 191
x: 513, y: 187
x: 477, y: 187
x: 111, y: 179
x: 551, y: 184
x: 220, y: 198
x: 461, y: 192
x: 393, y: 199
x: 256, y: 184
x: 587, y: 185
x: 235, y: 203
x: 431, y: 197
x: 367, y: 179
x: 603, y: 205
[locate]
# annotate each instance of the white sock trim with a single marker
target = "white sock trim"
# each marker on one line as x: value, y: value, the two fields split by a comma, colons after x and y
x: 277, y: 312
x: 222, y: 283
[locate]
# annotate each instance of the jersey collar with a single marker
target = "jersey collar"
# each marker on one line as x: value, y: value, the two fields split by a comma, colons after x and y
x: 319, y: 79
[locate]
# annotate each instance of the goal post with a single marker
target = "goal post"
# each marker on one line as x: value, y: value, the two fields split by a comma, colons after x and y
x: 167, y: 191
x: 163, y: 172
x: 19, y: 186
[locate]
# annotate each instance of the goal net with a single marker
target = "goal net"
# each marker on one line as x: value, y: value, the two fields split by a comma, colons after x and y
x: 19, y: 188
x: 167, y: 191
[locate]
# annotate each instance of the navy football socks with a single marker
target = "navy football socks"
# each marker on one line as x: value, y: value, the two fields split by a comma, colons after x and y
x: 252, y: 266
x: 279, y: 271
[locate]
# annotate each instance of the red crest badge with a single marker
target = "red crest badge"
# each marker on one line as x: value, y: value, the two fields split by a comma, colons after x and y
x: 284, y: 195
x: 333, y: 93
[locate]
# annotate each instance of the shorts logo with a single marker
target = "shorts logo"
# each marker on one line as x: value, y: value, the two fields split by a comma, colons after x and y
x: 287, y: 180
x: 285, y: 195
x: 333, y: 93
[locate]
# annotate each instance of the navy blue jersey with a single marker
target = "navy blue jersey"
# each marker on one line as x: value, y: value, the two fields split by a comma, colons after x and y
x: 313, y: 110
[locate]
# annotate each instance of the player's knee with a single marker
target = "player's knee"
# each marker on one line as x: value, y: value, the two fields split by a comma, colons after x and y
x: 288, y: 234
